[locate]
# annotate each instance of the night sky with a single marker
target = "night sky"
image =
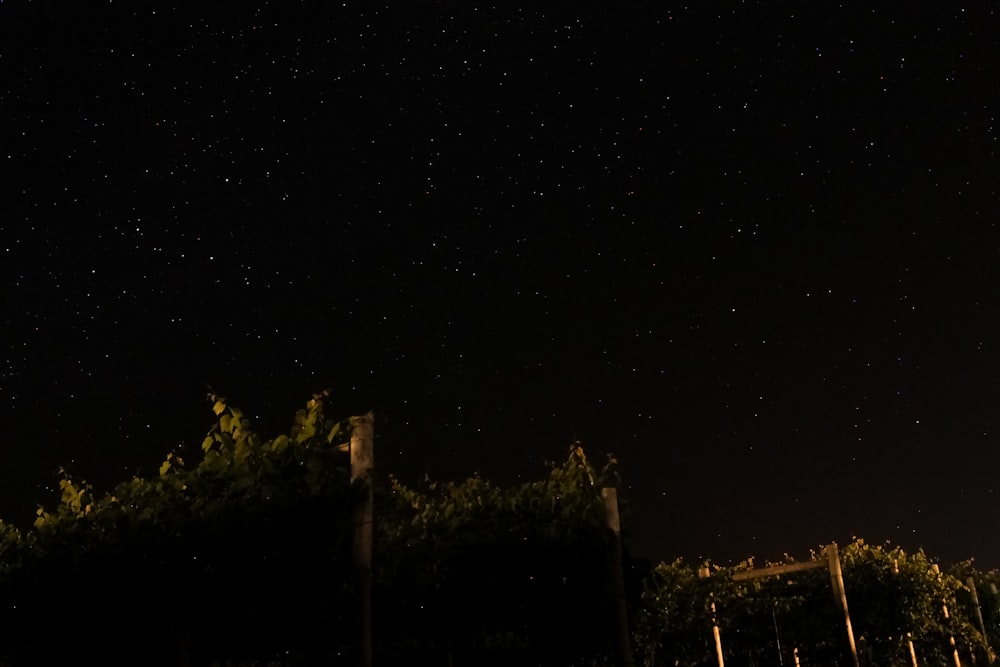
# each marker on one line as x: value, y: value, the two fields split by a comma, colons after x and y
x: 749, y: 248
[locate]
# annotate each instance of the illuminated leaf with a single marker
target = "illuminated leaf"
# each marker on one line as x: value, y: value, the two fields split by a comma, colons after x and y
x: 240, y: 454
x: 279, y: 444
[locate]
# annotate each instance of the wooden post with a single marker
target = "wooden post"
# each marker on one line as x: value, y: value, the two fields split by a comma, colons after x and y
x: 944, y: 609
x: 703, y: 573
x: 951, y: 638
x: 971, y: 583
x: 909, y: 636
x: 836, y: 580
x: 362, y: 462
x: 840, y: 595
x: 610, y: 496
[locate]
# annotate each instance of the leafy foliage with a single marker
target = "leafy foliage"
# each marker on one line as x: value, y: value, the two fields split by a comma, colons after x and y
x: 674, y: 625
x: 893, y: 597
x: 243, y: 558
x: 499, y: 573
x: 255, y: 529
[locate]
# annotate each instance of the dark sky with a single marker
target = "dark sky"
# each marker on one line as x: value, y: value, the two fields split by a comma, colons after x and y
x: 750, y: 248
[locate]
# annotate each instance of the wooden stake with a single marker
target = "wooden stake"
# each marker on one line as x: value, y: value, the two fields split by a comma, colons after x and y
x: 362, y: 463
x: 836, y: 581
x: 703, y: 573
x: 971, y: 583
x: 840, y: 595
x: 944, y: 609
x: 951, y: 639
x: 909, y: 636
x: 610, y: 496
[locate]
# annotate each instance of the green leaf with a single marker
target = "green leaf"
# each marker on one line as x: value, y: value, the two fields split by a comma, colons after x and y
x: 241, y: 452
x: 279, y: 444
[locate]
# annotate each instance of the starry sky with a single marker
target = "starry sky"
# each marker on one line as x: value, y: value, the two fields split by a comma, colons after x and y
x: 751, y: 248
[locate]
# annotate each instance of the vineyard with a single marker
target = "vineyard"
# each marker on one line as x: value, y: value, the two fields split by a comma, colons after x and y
x: 249, y: 557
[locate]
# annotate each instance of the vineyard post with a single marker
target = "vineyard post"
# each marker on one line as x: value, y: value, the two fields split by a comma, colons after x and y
x: 362, y: 462
x: 703, y: 573
x: 837, y: 581
x: 944, y: 609
x: 610, y: 496
x: 971, y: 583
x: 909, y: 635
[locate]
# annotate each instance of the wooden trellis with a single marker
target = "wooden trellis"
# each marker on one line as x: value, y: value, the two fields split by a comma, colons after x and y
x: 832, y: 563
